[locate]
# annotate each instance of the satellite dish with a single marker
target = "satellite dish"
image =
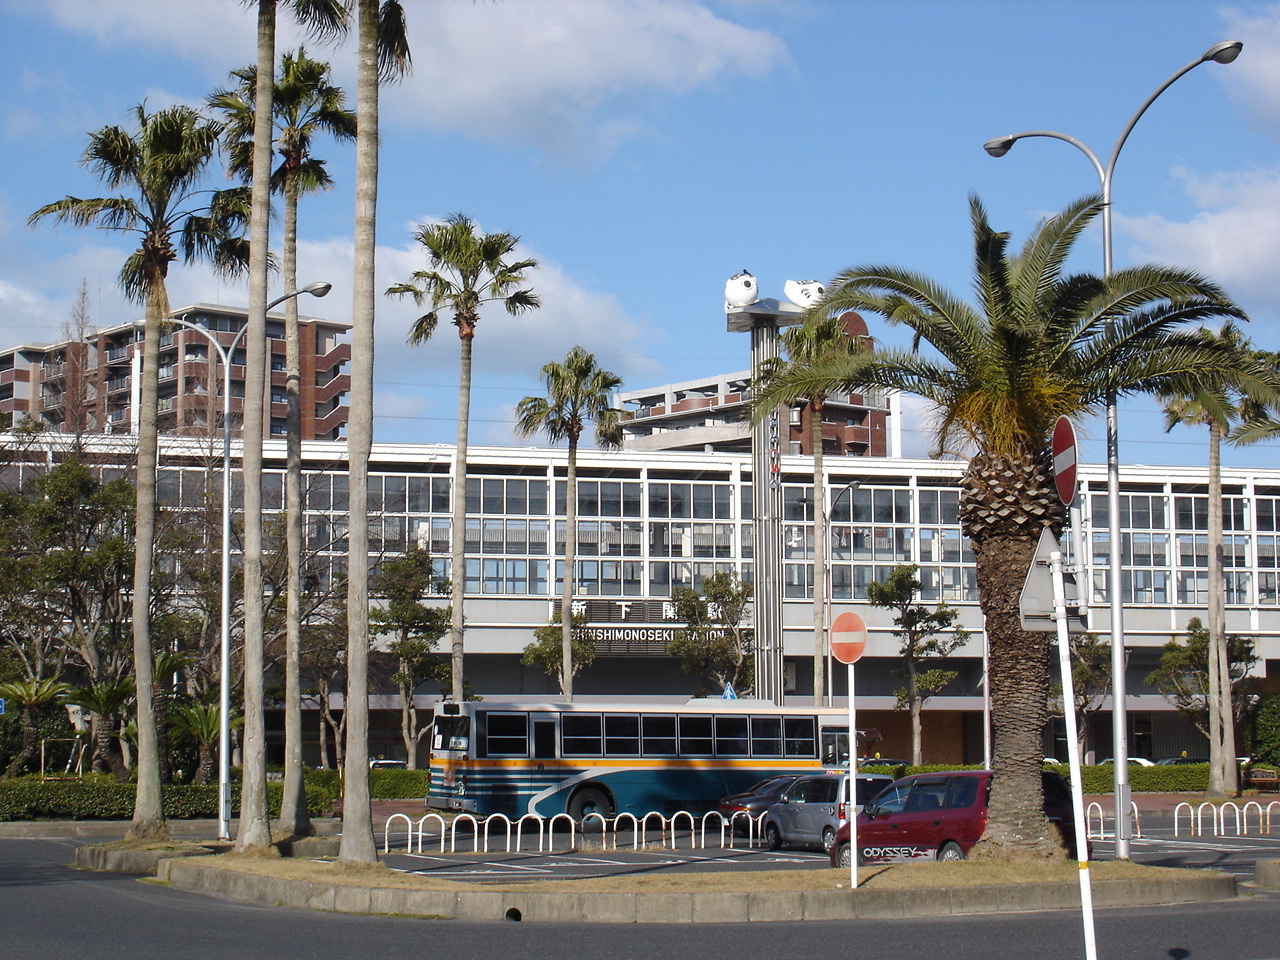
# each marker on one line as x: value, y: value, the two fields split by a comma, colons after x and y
x: 741, y: 290
x: 804, y: 293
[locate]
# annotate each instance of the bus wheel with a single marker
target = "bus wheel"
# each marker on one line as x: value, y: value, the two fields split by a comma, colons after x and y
x: 590, y: 800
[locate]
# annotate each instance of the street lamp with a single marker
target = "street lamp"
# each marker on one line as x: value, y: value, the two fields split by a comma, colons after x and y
x: 225, y: 354
x: 1223, y: 52
x: 849, y: 487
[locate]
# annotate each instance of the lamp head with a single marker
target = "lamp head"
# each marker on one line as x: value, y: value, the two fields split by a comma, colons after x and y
x: 317, y: 289
x: 1224, y: 52
x: 999, y: 146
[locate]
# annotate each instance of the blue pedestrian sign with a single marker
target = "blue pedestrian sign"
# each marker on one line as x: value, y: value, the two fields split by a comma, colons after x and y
x: 728, y: 693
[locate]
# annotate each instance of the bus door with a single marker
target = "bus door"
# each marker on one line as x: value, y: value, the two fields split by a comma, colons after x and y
x: 544, y: 762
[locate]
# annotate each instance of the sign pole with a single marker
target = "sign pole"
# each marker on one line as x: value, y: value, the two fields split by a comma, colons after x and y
x: 848, y: 642
x: 1073, y: 754
x: 853, y: 784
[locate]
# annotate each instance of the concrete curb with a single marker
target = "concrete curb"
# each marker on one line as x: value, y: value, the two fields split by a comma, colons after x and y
x: 199, y: 876
x: 1266, y: 873
x: 93, y: 857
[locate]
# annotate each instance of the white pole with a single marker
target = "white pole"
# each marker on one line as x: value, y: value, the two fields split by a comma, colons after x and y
x: 853, y: 785
x: 1073, y: 753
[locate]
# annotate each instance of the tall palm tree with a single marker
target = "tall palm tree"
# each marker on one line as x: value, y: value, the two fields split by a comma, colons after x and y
x: 383, y: 54
x: 820, y: 339
x: 29, y: 696
x: 578, y: 393
x: 305, y: 104
x: 325, y: 18
x: 161, y: 164
x: 1216, y: 406
x: 468, y: 269
x: 1037, y: 344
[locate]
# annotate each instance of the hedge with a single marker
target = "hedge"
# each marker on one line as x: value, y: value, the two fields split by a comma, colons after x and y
x: 384, y: 784
x: 1174, y: 778
x: 94, y: 798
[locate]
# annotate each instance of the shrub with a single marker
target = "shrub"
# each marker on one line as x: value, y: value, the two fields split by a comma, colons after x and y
x: 330, y: 781
x: 101, y: 798
x: 1266, y: 731
x: 399, y: 784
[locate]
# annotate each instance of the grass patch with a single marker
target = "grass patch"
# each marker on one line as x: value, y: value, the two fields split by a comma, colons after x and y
x: 167, y: 846
x: 893, y: 877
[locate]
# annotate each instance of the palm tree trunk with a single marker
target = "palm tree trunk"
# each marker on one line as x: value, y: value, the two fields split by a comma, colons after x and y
x: 255, y: 825
x: 570, y: 563
x: 148, y: 811
x: 819, y: 553
x: 1019, y: 682
x: 295, y: 820
x: 357, y: 827
x: 1223, y: 773
x: 458, y: 547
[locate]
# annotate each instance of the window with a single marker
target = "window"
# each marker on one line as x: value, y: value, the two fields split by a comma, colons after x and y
x: 506, y: 734
x: 766, y: 736
x: 731, y: 737
x: 695, y: 737
x: 658, y: 736
x: 580, y: 734
x: 622, y: 735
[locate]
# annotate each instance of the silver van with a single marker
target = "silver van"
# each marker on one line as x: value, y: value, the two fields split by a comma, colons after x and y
x: 812, y: 809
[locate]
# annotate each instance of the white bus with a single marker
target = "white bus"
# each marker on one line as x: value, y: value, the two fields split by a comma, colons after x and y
x: 580, y: 758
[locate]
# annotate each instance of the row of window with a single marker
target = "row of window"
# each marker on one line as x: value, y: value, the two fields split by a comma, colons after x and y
x: 589, y: 735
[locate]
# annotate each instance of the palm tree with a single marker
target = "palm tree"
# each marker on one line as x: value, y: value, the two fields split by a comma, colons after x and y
x: 383, y: 54
x: 29, y: 695
x: 305, y: 104
x: 468, y: 269
x: 162, y: 163
x: 578, y: 393
x: 1216, y: 405
x: 820, y: 339
x: 326, y: 18
x: 1038, y: 344
x: 202, y: 723
x: 105, y: 699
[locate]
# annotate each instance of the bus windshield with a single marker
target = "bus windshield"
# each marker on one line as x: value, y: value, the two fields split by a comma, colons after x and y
x: 451, y: 733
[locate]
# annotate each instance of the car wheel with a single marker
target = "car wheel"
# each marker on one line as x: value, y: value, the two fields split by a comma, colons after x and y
x: 589, y: 800
x: 828, y: 838
x: 772, y: 837
x: 842, y: 858
x: 951, y: 851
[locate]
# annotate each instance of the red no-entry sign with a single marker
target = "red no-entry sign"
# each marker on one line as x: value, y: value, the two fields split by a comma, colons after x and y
x: 1064, y: 460
x: 848, y: 637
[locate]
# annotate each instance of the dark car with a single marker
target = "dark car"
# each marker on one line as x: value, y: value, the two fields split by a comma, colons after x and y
x: 1180, y: 761
x: 939, y: 816
x: 754, y: 801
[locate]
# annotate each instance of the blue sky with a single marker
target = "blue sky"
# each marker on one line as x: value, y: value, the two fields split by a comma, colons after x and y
x: 646, y: 150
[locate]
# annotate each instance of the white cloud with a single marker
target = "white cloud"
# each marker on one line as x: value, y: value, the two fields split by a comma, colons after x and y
x: 561, y: 74
x: 558, y: 72
x: 1255, y: 77
x: 1234, y: 238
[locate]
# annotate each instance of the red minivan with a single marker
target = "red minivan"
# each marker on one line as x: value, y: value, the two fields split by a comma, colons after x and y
x: 938, y: 816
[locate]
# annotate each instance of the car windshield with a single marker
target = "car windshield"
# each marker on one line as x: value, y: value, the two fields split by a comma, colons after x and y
x: 893, y: 800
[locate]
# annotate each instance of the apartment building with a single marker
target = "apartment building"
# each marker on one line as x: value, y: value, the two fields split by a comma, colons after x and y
x: 92, y: 384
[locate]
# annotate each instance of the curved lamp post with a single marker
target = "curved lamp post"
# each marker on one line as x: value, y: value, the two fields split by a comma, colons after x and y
x: 225, y: 354
x: 1224, y: 52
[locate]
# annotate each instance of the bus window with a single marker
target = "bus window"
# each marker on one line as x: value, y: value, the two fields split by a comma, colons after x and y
x: 766, y: 736
x: 659, y: 733
x: 731, y: 737
x: 451, y: 733
x: 580, y: 734
x: 621, y: 735
x: 504, y: 734
x: 695, y: 737
x: 799, y: 736
x: 835, y: 747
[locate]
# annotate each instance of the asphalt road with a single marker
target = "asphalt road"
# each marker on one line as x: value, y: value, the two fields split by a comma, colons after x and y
x: 48, y: 910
